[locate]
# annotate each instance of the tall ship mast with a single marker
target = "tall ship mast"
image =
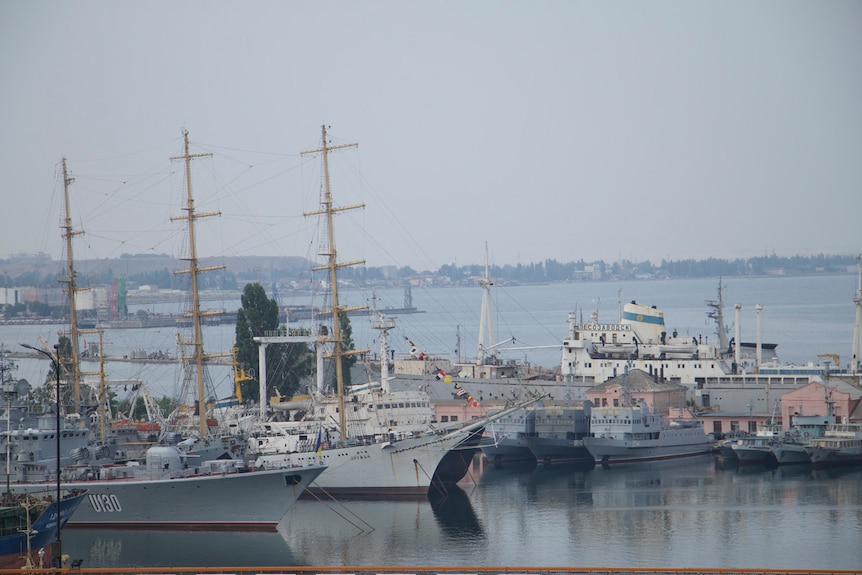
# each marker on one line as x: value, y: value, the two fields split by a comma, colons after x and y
x: 197, y: 357
x: 73, y: 368
x: 72, y: 363
x: 329, y: 251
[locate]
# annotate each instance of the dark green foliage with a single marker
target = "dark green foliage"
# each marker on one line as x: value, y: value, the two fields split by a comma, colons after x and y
x: 347, y: 361
x: 287, y: 364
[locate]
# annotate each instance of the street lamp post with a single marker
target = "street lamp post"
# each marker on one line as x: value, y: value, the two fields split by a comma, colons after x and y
x: 55, y: 359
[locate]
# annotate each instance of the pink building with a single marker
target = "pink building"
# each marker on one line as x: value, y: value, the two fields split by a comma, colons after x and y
x: 810, y: 399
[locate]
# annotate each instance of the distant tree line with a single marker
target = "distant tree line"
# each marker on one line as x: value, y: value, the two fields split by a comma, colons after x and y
x: 549, y: 270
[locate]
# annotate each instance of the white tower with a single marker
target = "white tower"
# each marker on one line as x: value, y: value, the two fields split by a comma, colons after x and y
x: 856, y: 354
x: 486, y: 323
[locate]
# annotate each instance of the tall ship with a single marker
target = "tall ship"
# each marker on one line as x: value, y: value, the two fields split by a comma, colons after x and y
x: 634, y: 434
x: 373, y: 440
x: 179, y: 484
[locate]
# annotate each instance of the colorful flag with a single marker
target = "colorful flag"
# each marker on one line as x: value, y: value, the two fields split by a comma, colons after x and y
x: 319, y: 447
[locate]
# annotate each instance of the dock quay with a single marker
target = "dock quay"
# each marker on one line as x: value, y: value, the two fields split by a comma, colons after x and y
x: 428, y: 570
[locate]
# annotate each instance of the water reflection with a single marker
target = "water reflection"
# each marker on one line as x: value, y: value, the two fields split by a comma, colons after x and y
x: 686, y: 514
x: 131, y: 548
x: 455, y: 514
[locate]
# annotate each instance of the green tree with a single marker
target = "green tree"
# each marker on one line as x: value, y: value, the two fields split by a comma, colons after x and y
x: 347, y: 361
x: 287, y: 364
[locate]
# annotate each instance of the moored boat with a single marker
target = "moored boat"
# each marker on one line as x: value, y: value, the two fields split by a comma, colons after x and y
x: 790, y: 448
x: 633, y: 434
x: 29, y: 522
x: 166, y: 493
x: 507, y: 439
x: 841, y: 444
x: 559, y: 434
x: 757, y: 449
x: 754, y: 450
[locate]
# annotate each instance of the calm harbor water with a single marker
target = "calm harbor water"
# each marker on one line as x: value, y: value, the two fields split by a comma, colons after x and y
x: 672, y: 514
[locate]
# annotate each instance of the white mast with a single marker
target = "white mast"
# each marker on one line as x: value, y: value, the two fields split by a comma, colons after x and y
x: 856, y: 355
x: 486, y: 322
x: 759, y: 345
x: 717, y: 314
x: 383, y: 325
x: 737, y: 348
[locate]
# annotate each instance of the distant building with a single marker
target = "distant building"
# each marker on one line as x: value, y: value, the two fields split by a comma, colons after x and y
x: 628, y: 389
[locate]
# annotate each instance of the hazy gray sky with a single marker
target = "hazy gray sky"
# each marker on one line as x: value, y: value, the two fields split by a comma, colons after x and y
x: 567, y: 130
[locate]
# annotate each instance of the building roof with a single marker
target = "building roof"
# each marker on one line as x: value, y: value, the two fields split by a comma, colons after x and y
x: 837, y: 384
x: 639, y: 380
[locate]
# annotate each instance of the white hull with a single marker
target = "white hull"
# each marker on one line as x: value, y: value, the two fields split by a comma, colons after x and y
x: 403, y: 467
x: 253, y: 500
